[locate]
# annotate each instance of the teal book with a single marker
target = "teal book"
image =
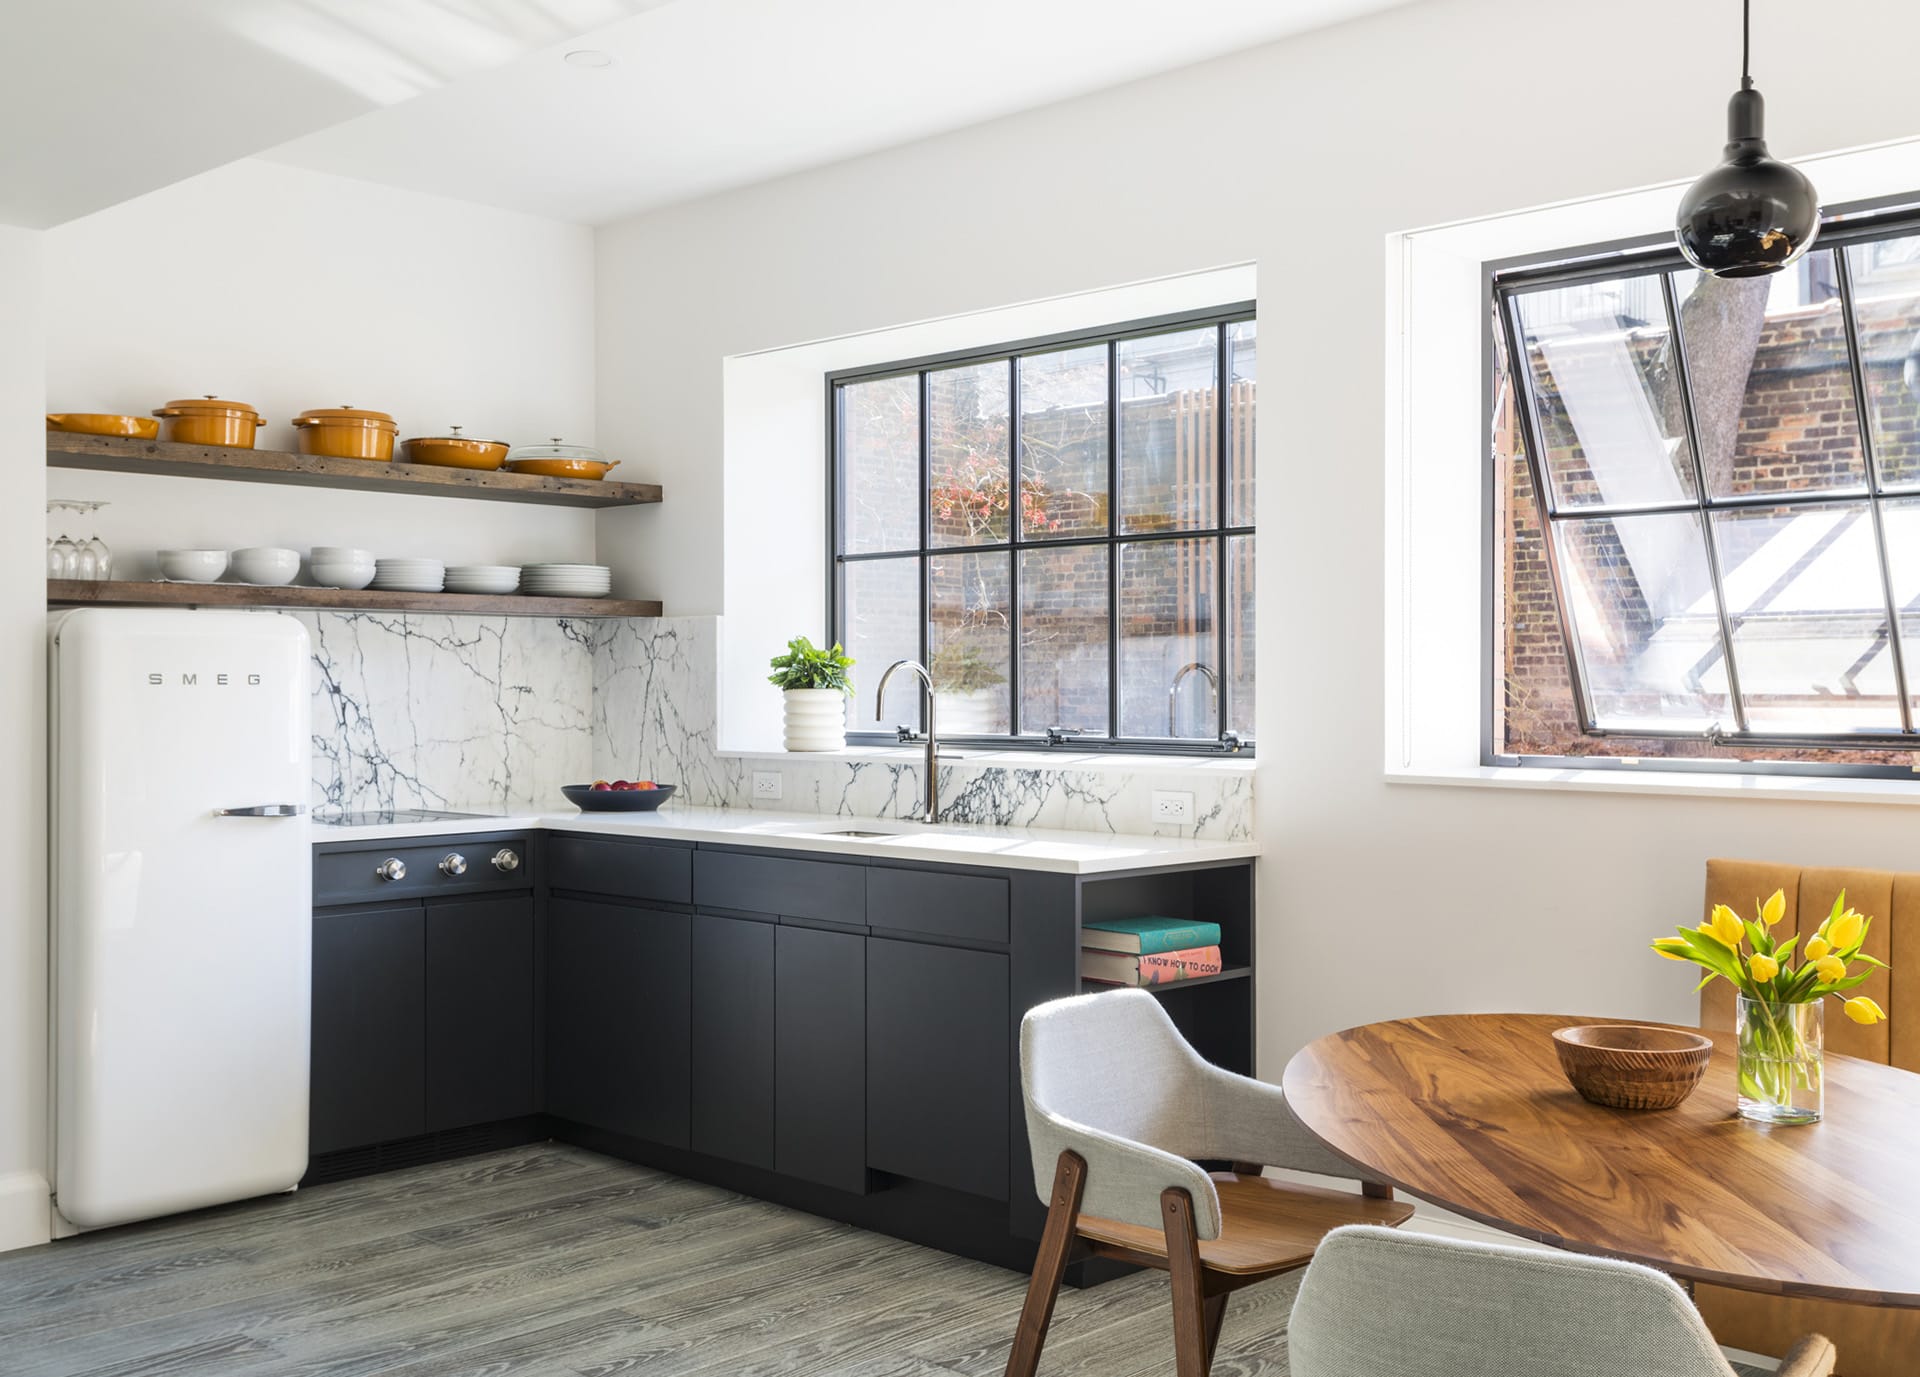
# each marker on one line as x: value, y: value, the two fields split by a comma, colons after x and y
x: 1148, y: 935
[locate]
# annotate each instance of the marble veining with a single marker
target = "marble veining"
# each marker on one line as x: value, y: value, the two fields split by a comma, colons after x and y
x: 438, y: 711
x: 655, y: 715
x: 434, y: 711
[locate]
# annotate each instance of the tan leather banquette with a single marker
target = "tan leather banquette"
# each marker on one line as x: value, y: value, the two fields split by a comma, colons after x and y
x: 1872, y: 1343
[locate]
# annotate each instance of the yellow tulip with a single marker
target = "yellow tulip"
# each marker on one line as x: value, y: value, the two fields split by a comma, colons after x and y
x: 1764, y: 968
x: 1724, y: 926
x: 1670, y: 947
x: 1775, y: 908
x: 1845, y: 932
x: 1831, y: 968
x: 1816, y: 948
x: 1863, y: 1010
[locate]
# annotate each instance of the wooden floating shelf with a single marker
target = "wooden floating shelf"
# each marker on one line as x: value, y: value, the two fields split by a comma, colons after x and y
x: 122, y: 454
x: 92, y: 593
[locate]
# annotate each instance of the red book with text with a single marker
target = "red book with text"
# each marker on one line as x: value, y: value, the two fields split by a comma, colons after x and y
x: 1159, y: 968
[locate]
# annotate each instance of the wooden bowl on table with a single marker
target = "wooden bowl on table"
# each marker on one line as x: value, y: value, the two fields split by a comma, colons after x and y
x: 1632, y: 1065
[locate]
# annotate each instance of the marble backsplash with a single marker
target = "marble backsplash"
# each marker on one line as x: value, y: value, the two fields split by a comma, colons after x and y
x: 655, y: 716
x: 425, y: 711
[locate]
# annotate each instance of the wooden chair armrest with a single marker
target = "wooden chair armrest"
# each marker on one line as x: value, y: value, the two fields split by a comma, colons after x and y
x: 1813, y: 1356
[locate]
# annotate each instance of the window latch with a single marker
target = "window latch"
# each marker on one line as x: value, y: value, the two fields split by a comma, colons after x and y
x: 1232, y: 742
x: 906, y: 734
x: 1058, y: 736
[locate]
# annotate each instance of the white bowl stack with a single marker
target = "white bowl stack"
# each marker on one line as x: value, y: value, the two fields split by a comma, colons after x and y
x: 341, y: 566
x: 409, y: 575
x: 566, y: 580
x: 483, y: 578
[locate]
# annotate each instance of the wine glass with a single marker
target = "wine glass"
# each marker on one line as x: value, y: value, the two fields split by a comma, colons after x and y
x: 63, y: 555
x: 87, y: 558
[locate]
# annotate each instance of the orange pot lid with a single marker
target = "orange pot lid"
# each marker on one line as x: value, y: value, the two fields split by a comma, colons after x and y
x: 345, y: 416
x: 208, y: 405
x: 454, y: 437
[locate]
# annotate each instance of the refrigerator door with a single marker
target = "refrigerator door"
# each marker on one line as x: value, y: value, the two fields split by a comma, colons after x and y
x: 182, y: 893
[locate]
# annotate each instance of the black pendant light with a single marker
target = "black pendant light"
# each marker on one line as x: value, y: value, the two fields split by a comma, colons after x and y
x: 1752, y: 214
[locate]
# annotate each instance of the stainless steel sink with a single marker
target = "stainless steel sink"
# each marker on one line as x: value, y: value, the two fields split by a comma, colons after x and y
x: 855, y: 832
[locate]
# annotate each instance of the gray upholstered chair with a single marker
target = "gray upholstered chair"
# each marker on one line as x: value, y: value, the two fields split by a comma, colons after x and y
x: 1120, y: 1110
x: 1378, y: 1303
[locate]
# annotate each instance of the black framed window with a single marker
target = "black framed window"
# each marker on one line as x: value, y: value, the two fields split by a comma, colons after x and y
x: 1061, y: 530
x: 1707, y: 501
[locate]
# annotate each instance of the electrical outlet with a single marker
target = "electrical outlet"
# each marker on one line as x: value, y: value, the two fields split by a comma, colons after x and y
x: 766, y: 785
x: 1172, y: 805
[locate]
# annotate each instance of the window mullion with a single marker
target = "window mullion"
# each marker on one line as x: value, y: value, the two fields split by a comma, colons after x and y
x: 1221, y: 433
x: 1015, y: 522
x: 926, y: 531
x: 1113, y: 532
x: 1521, y: 374
x: 1734, y: 696
x: 1843, y: 277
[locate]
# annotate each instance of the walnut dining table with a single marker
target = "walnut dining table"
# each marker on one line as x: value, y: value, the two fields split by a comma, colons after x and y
x: 1472, y: 1113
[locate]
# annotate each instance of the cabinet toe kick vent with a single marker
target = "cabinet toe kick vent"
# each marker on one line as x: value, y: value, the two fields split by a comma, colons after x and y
x: 422, y: 1151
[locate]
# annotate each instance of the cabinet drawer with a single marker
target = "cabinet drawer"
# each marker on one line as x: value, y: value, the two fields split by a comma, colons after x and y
x: 972, y: 908
x: 349, y: 877
x: 823, y: 890
x: 628, y: 869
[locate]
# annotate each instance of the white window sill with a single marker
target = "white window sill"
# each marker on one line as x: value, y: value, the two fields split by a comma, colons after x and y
x: 1014, y: 760
x: 1673, y: 783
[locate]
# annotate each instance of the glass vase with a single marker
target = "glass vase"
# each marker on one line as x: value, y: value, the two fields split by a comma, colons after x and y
x: 1781, y: 1061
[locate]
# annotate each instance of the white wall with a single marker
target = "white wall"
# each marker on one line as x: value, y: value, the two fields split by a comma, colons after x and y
x: 23, y: 795
x: 1376, y: 899
x: 291, y: 289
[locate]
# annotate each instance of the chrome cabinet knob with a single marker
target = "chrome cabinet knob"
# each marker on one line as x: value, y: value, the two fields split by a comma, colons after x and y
x: 453, y: 863
x: 504, y: 859
x: 392, y: 868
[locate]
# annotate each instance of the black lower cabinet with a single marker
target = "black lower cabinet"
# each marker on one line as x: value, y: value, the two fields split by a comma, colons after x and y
x: 369, y: 1063
x: 938, y: 1077
x: 480, y: 1011
x: 618, y: 981
x: 820, y: 1057
x: 733, y: 1039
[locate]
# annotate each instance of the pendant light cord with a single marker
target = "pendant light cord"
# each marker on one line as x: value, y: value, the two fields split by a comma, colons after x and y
x: 1746, y: 44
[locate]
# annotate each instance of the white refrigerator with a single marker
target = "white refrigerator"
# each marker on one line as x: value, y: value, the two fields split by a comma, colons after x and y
x: 181, y: 910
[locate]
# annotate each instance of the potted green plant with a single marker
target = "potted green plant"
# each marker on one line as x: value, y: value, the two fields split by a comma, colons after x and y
x: 815, y: 687
x: 963, y: 681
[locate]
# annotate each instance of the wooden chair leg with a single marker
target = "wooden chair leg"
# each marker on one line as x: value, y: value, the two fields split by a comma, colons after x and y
x: 1376, y: 1190
x: 1193, y: 1356
x: 1216, y: 1312
x: 1056, y: 1247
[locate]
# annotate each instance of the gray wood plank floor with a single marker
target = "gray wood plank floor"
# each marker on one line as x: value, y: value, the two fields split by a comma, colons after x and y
x: 550, y: 1259
x: 553, y: 1260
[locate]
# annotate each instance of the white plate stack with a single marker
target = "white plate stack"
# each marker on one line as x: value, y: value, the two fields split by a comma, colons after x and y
x: 409, y: 575
x: 566, y: 580
x: 483, y: 578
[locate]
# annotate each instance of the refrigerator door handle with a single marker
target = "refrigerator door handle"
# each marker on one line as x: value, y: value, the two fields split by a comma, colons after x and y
x: 263, y: 810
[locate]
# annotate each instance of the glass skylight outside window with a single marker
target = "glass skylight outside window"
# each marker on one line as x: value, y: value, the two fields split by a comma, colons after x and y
x: 1710, y: 490
x: 1061, y: 530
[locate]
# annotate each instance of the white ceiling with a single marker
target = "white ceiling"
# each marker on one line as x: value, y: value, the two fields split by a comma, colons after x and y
x: 106, y: 99
x: 709, y: 94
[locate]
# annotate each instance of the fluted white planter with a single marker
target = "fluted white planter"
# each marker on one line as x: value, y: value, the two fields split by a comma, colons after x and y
x: 816, y: 719
x: 973, y: 713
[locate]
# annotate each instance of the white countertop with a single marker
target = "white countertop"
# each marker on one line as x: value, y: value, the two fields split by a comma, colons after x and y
x: 1011, y: 848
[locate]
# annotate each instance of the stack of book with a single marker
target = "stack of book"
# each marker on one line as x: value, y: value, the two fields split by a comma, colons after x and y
x: 1148, y: 951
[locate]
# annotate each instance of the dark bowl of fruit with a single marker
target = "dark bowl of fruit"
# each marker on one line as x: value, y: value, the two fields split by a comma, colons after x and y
x: 619, y: 796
